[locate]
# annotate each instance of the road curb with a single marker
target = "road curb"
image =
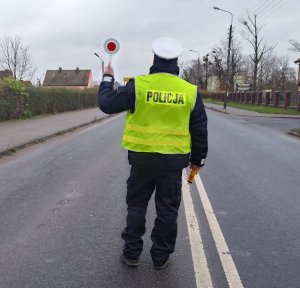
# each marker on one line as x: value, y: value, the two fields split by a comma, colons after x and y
x: 217, y: 110
x: 293, y: 133
x: 18, y: 147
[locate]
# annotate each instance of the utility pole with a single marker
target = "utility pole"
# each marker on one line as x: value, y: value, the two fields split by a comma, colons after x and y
x: 228, y: 55
x: 298, y: 86
x: 198, y: 67
x: 228, y: 64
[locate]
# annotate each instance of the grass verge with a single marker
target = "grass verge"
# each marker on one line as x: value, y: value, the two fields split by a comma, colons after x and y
x: 256, y: 108
x: 296, y: 130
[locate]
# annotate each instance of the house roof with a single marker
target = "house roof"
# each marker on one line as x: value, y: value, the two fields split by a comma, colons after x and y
x: 5, y: 73
x: 61, y: 77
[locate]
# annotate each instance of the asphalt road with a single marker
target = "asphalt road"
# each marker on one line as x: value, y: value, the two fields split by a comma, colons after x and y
x: 62, y: 209
x: 281, y: 124
x: 252, y: 180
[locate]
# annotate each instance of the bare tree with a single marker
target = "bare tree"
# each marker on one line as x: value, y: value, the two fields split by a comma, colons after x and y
x: 295, y: 45
x: 219, y: 67
x: 275, y: 73
x: 220, y: 63
x: 252, y: 35
x: 186, y: 71
x: 268, y: 72
x: 235, y: 63
x: 247, y: 68
x: 207, y: 68
x: 193, y: 72
x: 16, y: 58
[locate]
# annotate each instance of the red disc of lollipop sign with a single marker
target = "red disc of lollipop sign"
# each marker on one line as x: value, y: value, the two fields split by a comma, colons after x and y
x: 111, y: 46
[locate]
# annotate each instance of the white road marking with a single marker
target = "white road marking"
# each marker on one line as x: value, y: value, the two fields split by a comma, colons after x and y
x: 103, y: 121
x: 202, y: 275
x: 229, y: 267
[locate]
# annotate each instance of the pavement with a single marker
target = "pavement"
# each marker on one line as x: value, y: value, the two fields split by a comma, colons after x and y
x: 18, y: 134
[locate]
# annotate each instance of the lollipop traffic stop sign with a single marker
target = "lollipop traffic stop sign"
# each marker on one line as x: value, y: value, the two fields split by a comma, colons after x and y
x: 111, y: 46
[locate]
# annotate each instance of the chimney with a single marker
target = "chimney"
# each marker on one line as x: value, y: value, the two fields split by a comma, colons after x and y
x: 59, y: 70
x: 77, y: 70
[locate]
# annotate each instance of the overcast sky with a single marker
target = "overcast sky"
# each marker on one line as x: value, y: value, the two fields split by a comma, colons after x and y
x: 66, y: 33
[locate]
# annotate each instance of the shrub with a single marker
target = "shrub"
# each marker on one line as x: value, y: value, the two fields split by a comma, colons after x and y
x: 20, y: 101
x: 53, y: 100
x: 13, y: 98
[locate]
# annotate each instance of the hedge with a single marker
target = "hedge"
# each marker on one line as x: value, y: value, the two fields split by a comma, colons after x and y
x: 19, y: 101
x: 52, y: 100
x: 204, y: 93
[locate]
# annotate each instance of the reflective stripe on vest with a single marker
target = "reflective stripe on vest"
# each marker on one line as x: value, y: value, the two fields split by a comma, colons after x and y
x: 160, y: 122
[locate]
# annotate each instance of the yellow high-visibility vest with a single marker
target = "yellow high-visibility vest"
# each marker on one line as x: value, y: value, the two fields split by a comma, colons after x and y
x: 160, y: 122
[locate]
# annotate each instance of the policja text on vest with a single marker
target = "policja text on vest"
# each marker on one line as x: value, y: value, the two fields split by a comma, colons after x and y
x: 165, y: 97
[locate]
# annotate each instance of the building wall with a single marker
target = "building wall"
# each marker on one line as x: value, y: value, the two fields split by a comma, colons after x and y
x: 91, y: 81
x: 69, y: 87
x: 213, y: 83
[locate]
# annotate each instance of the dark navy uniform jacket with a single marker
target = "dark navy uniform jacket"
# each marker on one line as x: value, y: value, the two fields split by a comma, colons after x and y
x: 123, y: 98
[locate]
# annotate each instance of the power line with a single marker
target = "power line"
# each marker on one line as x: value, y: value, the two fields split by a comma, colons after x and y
x: 264, y: 6
x: 272, y: 11
x: 259, y: 5
x: 273, y: 8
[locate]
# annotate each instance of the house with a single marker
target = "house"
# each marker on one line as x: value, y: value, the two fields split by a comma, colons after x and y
x: 239, y: 82
x: 26, y: 82
x: 213, y: 83
x: 5, y: 73
x: 298, y: 62
x: 70, y: 79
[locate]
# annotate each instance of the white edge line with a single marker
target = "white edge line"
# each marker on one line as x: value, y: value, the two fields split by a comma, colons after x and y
x: 202, y: 274
x: 229, y: 267
x: 103, y: 121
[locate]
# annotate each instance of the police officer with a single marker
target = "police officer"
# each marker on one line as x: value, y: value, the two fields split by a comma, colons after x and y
x: 165, y: 131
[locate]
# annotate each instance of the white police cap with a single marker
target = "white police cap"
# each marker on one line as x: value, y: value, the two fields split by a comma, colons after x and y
x: 166, y: 48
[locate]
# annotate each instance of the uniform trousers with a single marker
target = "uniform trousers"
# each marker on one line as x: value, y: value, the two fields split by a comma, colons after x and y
x: 140, y: 186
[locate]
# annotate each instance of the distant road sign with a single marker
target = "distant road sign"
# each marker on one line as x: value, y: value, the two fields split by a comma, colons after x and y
x: 126, y: 79
x: 243, y: 87
x: 111, y: 46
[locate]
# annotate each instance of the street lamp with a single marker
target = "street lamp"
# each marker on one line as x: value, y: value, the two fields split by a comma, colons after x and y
x: 229, y: 48
x: 102, y: 62
x: 298, y: 62
x: 191, y: 50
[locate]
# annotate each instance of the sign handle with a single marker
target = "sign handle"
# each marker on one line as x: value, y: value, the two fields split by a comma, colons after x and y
x: 110, y: 59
